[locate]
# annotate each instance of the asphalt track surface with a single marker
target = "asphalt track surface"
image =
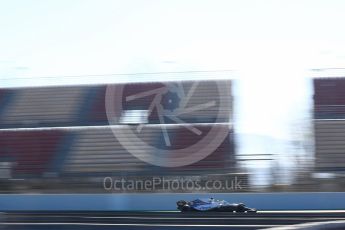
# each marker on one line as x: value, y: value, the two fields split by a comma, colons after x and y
x: 160, y: 220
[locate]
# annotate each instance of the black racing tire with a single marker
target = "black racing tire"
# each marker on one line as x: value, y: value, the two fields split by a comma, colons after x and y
x: 240, y: 211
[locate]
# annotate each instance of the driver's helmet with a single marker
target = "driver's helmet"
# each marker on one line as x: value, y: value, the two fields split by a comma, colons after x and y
x: 181, y: 203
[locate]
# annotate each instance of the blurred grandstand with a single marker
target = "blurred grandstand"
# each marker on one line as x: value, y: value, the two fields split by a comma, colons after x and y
x: 58, y: 139
x: 329, y: 131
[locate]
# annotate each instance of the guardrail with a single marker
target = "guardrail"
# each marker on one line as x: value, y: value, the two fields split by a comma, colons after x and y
x: 161, y: 202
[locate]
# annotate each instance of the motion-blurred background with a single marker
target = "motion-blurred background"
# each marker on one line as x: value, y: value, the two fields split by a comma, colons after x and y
x: 280, y: 65
x: 57, y: 139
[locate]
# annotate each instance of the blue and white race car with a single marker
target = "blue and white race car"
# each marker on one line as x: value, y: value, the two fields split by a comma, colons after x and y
x: 210, y: 204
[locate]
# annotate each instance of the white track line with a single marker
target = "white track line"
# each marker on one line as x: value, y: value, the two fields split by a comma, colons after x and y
x: 186, y: 218
x: 142, y: 225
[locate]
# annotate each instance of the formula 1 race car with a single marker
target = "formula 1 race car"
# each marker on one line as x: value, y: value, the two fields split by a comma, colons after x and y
x: 211, y: 205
